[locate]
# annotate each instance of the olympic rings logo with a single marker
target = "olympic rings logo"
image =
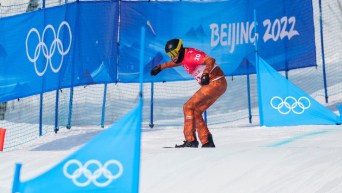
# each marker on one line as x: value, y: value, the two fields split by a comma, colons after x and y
x: 92, y: 172
x: 290, y: 104
x: 48, y: 52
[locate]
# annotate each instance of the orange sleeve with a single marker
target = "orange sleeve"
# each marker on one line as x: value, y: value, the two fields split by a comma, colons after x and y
x: 169, y: 65
x: 209, y: 62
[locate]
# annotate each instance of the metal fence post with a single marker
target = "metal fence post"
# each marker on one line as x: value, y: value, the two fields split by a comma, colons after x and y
x: 322, y: 48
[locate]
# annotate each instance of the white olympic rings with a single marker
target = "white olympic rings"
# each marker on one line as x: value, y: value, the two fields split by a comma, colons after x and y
x: 92, y: 176
x: 48, y: 52
x: 290, y: 104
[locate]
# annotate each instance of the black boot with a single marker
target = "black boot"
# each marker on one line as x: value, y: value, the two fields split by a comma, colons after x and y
x: 193, y: 143
x: 210, y: 142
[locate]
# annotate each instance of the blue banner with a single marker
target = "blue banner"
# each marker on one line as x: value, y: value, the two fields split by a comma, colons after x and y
x: 108, y: 163
x: 59, y: 47
x: 78, y: 43
x: 281, y: 103
x: 224, y: 30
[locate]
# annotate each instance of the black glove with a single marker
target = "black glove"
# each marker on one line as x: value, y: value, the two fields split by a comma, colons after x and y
x: 205, y: 79
x: 156, y: 70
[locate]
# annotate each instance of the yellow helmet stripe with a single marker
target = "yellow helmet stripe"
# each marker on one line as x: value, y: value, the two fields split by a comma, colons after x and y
x: 175, y: 52
x: 179, y: 45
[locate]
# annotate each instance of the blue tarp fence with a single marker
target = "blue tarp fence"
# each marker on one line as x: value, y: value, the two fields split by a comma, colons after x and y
x: 84, y: 43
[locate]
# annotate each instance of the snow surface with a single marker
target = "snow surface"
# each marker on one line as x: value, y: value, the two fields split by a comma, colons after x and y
x: 248, y: 159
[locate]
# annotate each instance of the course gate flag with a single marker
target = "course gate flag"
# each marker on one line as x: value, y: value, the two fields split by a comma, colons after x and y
x: 283, y: 104
x: 108, y: 163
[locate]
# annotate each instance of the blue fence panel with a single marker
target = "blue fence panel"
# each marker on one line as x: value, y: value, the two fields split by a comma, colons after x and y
x: 286, y: 34
x: 76, y: 44
x: 59, y: 47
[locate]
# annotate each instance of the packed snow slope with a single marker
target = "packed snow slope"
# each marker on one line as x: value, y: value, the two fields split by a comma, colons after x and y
x: 248, y: 159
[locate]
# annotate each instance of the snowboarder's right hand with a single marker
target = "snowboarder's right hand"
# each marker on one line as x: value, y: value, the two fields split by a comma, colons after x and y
x: 156, y: 70
x: 205, y: 79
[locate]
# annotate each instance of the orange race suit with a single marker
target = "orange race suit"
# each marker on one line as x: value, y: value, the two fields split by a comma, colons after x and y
x: 197, y: 63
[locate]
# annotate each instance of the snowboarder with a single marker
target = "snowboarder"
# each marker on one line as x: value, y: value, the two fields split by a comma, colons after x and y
x: 213, y: 84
